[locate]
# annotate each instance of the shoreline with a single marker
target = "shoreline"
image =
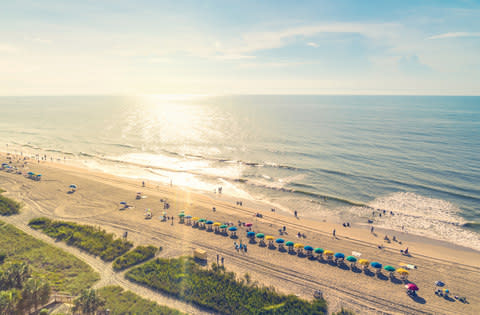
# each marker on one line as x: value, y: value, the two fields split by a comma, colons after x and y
x: 97, y: 202
x: 261, y: 205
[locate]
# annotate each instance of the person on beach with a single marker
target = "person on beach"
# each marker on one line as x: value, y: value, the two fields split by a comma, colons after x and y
x: 371, y: 229
x: 245, y: 247
x: 334, y: 233
x: 295, y: 213
x: 223, y: 261
x: 218, y: 257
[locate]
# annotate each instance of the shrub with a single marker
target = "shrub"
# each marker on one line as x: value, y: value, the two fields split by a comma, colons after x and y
x: 43, y: 311
x: 2, y: 258
x: 134, y: 257
x: 218, y: 290
x: 91, y: 239
x: 9, y: 206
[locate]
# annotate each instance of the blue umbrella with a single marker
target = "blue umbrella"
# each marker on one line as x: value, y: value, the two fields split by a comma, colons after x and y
x: 279, y: 241
x: 188, y: 217
x: 232, y: 228
x: 31, y: 173
x: 308, y: 247
x: 376, y: 265
x: 123, y: 203
x: 73, y: 186
x: 250, y: 234
x: 340, y: 255
x: 209, y: 222
x: 439, y: 283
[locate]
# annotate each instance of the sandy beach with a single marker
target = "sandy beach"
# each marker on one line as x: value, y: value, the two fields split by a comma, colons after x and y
x: 97, y: 199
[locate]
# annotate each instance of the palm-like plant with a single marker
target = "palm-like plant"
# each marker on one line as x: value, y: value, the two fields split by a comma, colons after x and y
x: 88, y: 302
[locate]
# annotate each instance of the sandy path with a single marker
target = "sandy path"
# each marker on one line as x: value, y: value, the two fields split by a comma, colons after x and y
x: 96, y: 202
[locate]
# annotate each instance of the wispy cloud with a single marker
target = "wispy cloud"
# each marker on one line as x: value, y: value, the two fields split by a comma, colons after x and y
x: 42, y: 40
x: 312, y: 44
x: 7, y: 48
x: 455, y: 35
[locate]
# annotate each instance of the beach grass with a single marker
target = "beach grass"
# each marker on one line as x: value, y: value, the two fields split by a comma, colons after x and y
x: 119, y: 301
x: 93, y: 240
x: 218, y: 290
x: 8, y: 206
x: 64, y: 272
x: 134, y: 257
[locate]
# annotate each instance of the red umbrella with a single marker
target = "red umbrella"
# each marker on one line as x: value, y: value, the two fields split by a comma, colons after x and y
x: 411, y: 286
x: 248, y: 224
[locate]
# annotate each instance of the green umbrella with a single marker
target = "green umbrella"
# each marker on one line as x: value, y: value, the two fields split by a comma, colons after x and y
x: 351, y: 259
x: 289, y: 243
x: 202, y: 220
x: 318, y: 250
x: 260, y: 235
x: 389, y: 268
x: 224, y: 226
x: 181, y: 214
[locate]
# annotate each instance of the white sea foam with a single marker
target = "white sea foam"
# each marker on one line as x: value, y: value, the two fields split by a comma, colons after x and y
x: 420, y: 215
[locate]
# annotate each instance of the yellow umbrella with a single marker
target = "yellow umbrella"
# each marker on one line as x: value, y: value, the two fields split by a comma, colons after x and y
x: 217, y: 224
x: 195, y: 218
x: 402, y: 271
x: 269, y: 238
x: 298, y: 245
x: 328, y: 253
x: 363, y: 262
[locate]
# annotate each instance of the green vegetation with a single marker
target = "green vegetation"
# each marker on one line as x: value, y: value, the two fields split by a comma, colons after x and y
x: 119, y: 302
x: 91, y: 239
x: 8, y: 206
x: 63, y: 271
x: 19, y: 292
x: 218, y: 290
x: 134, y: 257
x: 344, y: 312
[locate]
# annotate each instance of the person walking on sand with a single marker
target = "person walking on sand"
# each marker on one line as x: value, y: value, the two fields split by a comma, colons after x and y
x: 371, y: 229
x: 218, y: 257
x: 334, y: 233
x: 223, y: 259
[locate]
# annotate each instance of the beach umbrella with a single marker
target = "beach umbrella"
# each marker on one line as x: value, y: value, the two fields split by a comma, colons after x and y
x: 308, y: 248
x: 298, y: 245
x: 202, y: 220
x: 389, y: 268
x: 318, y: 250
x: 351, y: 258
x: 279, y: 241
x: 411, y: 286
x: 339, y: 255
x: 289, y: 244
x: 260, y: 235
x: 402, y: 271
x: 376, y: 265
x: 251, y: 234
x: 209, y: 222
x: 31, y: 173
x: 446, y: 290
x: 248, y: 224
x: 186, y: 217
x: 223, y: 226
x: 123, y: 203
x: 195, y: 219
x: 73, y: 186
x: 439, y: 283
x: 232, y: 228
x: 269, y: 238
x: 181, y: 214
x: 363, y: 262
x: 328, y: 253
x: 217, y: 224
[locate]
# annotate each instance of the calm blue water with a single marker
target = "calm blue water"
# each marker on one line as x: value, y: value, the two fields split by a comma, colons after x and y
x: 416, y: 156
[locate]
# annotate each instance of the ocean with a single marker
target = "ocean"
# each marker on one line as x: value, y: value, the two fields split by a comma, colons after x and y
x: 327, y: 157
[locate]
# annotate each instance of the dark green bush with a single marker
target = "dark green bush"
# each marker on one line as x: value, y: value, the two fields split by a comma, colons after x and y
x: 91, y: 239
x: 218, y: 290
x: 9, y: 206
x: 134, y: 257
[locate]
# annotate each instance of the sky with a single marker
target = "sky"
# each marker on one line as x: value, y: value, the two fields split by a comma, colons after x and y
x: 239, y: 47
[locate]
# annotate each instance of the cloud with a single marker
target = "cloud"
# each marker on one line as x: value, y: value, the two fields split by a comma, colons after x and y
x: 7, y: 48
x: 412, y: 65
x: 312, y: 44
x: 42, y: 40
x: 455, y: 35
